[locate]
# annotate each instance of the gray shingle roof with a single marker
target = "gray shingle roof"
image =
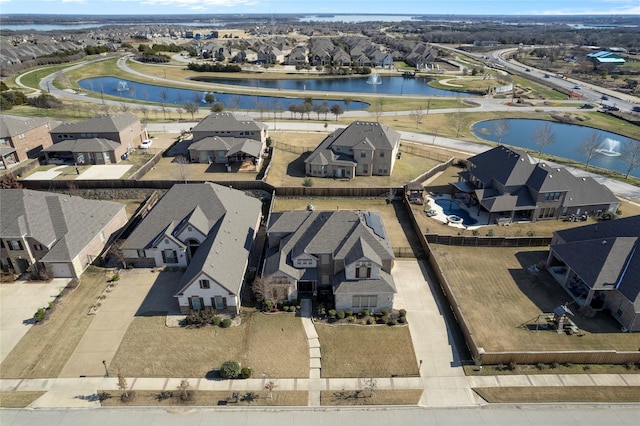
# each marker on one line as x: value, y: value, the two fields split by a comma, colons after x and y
x: 65, y: 224
x: 12, y: 126
x: 99, y: 124
x: 84, y: 145
x: 228, y: 122
x: 505, y: 165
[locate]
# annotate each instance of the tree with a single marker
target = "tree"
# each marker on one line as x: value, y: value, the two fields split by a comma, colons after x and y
x: 234, y: 102
x: 182, y: 168
x: 544, y: 136
x: 269, y: 387
x: 191, y: 108
x: 336, y: 110
x: 217, y: 107
x: 117, y: 252
x: 185, y: 390
x: 122, y: 384
x: 209, y: 98
x: 230, y: 370
x: 378, y: 107
x: 590, y: 145
x: 416, y: 116
x: 630, y: 155
x: 458, y: 121
x: 347, y: 102
x: 164, y: 96
x: 10, y: 181
x: 500, y: 128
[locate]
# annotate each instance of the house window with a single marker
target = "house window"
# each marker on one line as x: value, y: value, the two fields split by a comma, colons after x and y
x: 547, y: 213
x: 620, y: 309
x: 365, y: 301
x: 140, y: 253
x: 169, y: 256
x: 381, y: 153
x: 205, y: 284
x: 363, y: 154
x: 363, y: 269
x: 189, y: 228
x: 14, y: 245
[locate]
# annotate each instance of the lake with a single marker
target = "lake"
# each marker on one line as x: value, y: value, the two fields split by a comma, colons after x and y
x: 387, y: 85
x: 178, y: 97
x: 568, y: 138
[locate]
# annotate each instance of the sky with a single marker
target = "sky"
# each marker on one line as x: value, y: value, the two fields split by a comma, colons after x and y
x: 410, y: 7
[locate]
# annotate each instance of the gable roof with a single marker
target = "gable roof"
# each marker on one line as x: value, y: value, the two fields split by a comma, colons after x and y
x: 12, y: 126
x: 84, y: 145
x: 63, y: 223
x: 226, y: 121
x: 99, y: 124
x: 507, y: 166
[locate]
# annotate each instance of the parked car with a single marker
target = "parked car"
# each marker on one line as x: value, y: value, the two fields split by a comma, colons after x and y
x: 604, y: 98
x: 577, y: 87
x: 146, y: 144
x: 586, y: 106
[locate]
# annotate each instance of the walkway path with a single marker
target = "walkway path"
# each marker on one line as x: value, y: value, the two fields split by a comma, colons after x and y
x: 315, y: 356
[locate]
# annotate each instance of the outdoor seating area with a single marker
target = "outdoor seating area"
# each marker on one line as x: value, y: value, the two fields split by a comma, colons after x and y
x: 453, y: 212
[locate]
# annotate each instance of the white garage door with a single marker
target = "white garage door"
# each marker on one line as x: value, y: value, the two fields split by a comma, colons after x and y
x: 61, y: 270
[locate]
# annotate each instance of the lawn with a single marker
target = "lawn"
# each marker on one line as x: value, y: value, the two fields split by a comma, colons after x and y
x: 379, y: 397
x: 497, y: 294
x: 46, y: 347
x: 366, y: 351
x: 398, y: 228
x: 18, y: 399
x: 211, y: 398
x: 272, y: 344
x: 535, y: 395
x: 168, y: 169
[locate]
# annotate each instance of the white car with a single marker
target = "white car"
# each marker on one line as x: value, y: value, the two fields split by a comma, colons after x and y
x: 146, y: 144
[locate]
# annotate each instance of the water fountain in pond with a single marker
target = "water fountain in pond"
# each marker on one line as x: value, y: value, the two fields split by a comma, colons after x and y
x: 610, y: 148
x: 122, y: 86
x: 374, y: 79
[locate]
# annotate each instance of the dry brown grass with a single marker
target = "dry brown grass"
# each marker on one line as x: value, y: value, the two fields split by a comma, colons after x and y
x: 210, y: 398
x: 497, y: 294
x: 379, y: 397
x: 271, y: 344
x: 168, y: 169
x: 366, y: 351
x: 565, y: 368
x: 45, y: 349
x: 388, y: 212
x: 18, y: 399
x: 529, y: 395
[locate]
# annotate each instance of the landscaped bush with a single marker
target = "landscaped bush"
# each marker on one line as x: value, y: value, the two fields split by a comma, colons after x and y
x: 40, y: 315
x: 226, y: 323
x: 245, y: 373
x: 384, y: 319
x: 216, y: 320
x: 392, y: 322
x: 402, y: 320
x: 364, y: 313
x: 402, y: 313
x: 348, y: 312
x: 332, y: 313
x: 371, y: 320
x: 384, y: 311
x: 267, y: 306
x: 513, y: 365
x: 351, y: 318
x: 115, y: 277
x: 230, y: 370
x: 341, y: 314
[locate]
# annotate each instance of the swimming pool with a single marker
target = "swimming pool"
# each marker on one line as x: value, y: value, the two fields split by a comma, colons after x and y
x: 450, y: 207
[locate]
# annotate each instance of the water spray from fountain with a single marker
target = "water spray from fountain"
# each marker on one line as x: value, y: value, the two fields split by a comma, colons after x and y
x: 610, y: 148
x: 374, y: 79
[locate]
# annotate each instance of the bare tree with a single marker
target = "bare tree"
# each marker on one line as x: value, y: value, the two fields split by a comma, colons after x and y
x: 145, y: 113
x: 117, y: 252
x: 630, y: 155
x: 544, y: 136
x: 182, y: 168
x: 9, y: 180
x: 378, y: 107
x: 337, y: 110
x: 500, y: 128
x: 164, y: 96
x: 416, y: 116
x: 434, y: 136
x: 191, y: 108
x: 259, y: 289
x: 122, y: 384
x: 270, y: 386
x: 185, y: 390
x: 370, y: 386
x: 590, y: 145
x: 458, y: 121
x: 124, y: 106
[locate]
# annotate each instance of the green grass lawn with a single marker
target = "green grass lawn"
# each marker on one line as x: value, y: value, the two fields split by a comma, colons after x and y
x: 366, y: 351
x: 272, y: 344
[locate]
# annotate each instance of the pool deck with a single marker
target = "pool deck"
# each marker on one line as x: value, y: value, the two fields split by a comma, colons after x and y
x: 482, y: 218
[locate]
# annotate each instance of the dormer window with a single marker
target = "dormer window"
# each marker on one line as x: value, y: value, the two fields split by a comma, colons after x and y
x: 363, y: 269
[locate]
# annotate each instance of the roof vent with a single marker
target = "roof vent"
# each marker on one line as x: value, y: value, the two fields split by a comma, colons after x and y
x: 584, y: 180
x: 604, y: 242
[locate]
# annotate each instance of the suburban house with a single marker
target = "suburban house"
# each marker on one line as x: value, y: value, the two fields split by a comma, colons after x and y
x: 223, y: 138
x: 59, y: 234
x: 346, y: 254
x: 361, y: 149
x: 599, y: 267
x: 205, y: 228
x: 101, y: 140
x: 21, y: 139
x: 509, y: 184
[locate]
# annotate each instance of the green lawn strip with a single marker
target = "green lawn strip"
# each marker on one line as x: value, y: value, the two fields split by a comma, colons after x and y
x: 379, y: 397
x: 546, y: 394
x: 366, y: 351
x: 46, y: 347
x: 202, y: 398
x: 18, y: 399
x: 497, y: 294
x: 151, y: 349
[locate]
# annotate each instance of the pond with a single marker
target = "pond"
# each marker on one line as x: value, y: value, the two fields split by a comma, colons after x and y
x: 177, y: 97
x: 568, y: 139
x: 362, y: 84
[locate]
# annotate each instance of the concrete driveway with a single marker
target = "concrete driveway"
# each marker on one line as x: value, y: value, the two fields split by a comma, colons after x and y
x: 441, y: 369
x: 104, y: 171
x: 138, y: 290
x: 18, y: 302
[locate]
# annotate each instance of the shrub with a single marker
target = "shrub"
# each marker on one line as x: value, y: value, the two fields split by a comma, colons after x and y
x: 475, y: 232
x: 297, y: 307
x: 500, y: 367
x: 308, y: 182
x: 384, y: 311
x: 322, y: 310
x: 402, y: 313
x: 351, y: 318
x: 392, y: 322
x: 225, y: 323
x: 128, y: 396
x: 341, y: 314
x: 216, y: 320
x: 628, y: 366
x: 513, y: 365
x: 490, y: 233
x: 384, y: 319
x: 115, y: 277
x: 364, y: 313
x: 245, y: 372
x: 540, y: 366
x: 371, y: 320
x: 332, y: 313
x: 402, y: 320
x: 586, y: 367
x: 268, y: 306
x: 531, y: 233
x: 230, y: 370
x: 568, y: 364
x: 40, y: 314
x: 553, y: 365
x: 348, y: 312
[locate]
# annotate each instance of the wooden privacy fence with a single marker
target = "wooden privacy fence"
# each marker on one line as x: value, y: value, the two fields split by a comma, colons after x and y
x: 463, y: 240
x: 435, y: 169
